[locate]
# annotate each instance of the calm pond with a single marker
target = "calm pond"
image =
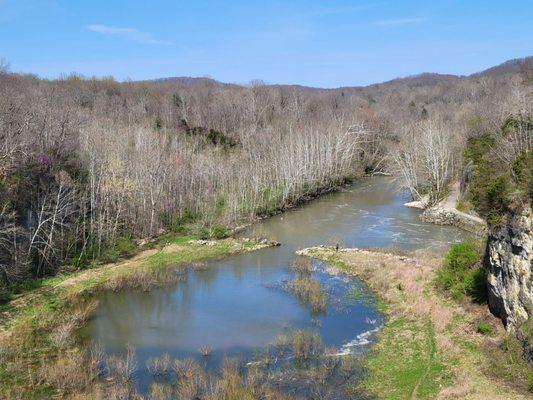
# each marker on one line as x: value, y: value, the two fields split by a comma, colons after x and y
x: 240, y: 304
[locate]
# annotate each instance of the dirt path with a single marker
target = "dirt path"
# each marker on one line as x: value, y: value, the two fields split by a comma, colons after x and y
x: 450, y: 204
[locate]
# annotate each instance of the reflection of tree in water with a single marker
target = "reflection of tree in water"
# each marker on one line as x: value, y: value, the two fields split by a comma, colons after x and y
x: 204, y: 277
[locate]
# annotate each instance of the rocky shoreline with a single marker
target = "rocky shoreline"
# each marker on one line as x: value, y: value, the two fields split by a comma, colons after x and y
x: 451, y: 216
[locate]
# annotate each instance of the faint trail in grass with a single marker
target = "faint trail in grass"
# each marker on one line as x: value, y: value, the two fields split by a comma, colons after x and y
x: 432, y: 350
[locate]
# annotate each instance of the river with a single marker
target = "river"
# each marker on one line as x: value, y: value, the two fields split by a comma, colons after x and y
x: 239, y: 304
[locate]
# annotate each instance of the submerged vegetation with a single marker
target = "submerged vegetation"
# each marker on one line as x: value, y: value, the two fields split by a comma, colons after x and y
x: 299, y: 366
x: 308, y: 289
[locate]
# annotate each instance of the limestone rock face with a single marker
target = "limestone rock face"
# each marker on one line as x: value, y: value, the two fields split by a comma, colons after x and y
x: 508, y: 269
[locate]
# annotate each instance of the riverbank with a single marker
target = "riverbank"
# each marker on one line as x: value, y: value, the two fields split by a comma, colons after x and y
x: 446, y: 213
x: 431, y: 347
x: 39, y: 354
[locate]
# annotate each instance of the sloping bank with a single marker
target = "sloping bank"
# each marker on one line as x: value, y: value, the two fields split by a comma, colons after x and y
x: 431, y: 346
x: 39, y: 354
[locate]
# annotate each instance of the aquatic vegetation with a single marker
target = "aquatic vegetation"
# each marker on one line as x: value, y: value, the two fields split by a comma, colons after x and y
x: 310, y: 292
x: 306, y: 344
x: 159, y: 366
x: 426, y: 349
x: 285, y: 375
x: 303, y: 266
x: 123, y: 368
x: 306, y: 288
x: 205, y: 351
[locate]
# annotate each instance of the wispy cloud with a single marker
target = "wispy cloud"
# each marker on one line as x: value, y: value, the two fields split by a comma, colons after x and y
x: 404, y: 21
x: 343, y: 10
x: 132, y: 34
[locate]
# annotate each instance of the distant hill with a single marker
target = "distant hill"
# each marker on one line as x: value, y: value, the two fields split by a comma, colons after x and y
x: 424, y: 79
x: 187, y: 81
x: 509, y: 67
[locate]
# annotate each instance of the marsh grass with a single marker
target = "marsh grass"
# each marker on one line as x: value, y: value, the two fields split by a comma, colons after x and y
x: 123, y: 368
x: 159, y: 366
x: 306, y: 288
x: 310, y: 293
x: 306, y: 369
x: 306, y: 345
x: 303, y: 266
x: 205, y: 350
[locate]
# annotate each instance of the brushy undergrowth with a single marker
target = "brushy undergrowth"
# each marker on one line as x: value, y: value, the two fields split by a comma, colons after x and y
x: 462, y: 273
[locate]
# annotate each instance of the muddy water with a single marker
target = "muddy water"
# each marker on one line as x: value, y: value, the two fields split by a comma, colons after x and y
x: 240, y: 304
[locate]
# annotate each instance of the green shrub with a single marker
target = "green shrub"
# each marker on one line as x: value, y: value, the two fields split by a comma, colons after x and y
x: 484, y: 328
x: 477, y: 148
x: 219, y: 231
x: 178, y: 223
x: 123, y: 248
x: 200, y: 231
x: 496, y: 184
x: 475, y: 285
x: 5, y: 295
x: 461, y: 273
x: 462, y: 255
x: 497, y: 198
x: 523, y: 173
x: 26, y: 285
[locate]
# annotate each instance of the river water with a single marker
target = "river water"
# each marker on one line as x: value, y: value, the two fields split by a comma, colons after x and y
x: 240, y: 303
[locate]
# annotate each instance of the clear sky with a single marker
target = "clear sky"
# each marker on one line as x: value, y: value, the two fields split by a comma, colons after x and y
x: 318, y: 43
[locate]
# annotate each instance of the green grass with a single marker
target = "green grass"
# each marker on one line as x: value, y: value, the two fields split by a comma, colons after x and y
x: 189, y: 253
x: 508, y: 364
x: 484, y: 328
x: 405, y: 362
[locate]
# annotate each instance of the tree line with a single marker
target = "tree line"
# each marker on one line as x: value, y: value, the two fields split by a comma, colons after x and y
x: 87, y: 165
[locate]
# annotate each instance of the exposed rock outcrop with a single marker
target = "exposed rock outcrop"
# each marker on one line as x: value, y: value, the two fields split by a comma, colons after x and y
x: 508, y: 269
x: 451, y: 216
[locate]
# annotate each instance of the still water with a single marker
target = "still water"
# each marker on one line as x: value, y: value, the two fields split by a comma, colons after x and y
x: 240, y: 304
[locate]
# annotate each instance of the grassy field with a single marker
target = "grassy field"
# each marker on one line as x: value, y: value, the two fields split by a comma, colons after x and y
x: 432, y: 345
x: 39, y: 354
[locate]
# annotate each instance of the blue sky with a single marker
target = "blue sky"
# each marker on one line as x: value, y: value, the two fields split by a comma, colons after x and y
x: 318, y: 43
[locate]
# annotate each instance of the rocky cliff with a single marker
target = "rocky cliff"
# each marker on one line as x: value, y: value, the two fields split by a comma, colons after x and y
x: 508, y: 269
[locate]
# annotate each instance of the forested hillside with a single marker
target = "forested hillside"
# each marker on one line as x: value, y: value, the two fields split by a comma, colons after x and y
x: 89, y: 165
